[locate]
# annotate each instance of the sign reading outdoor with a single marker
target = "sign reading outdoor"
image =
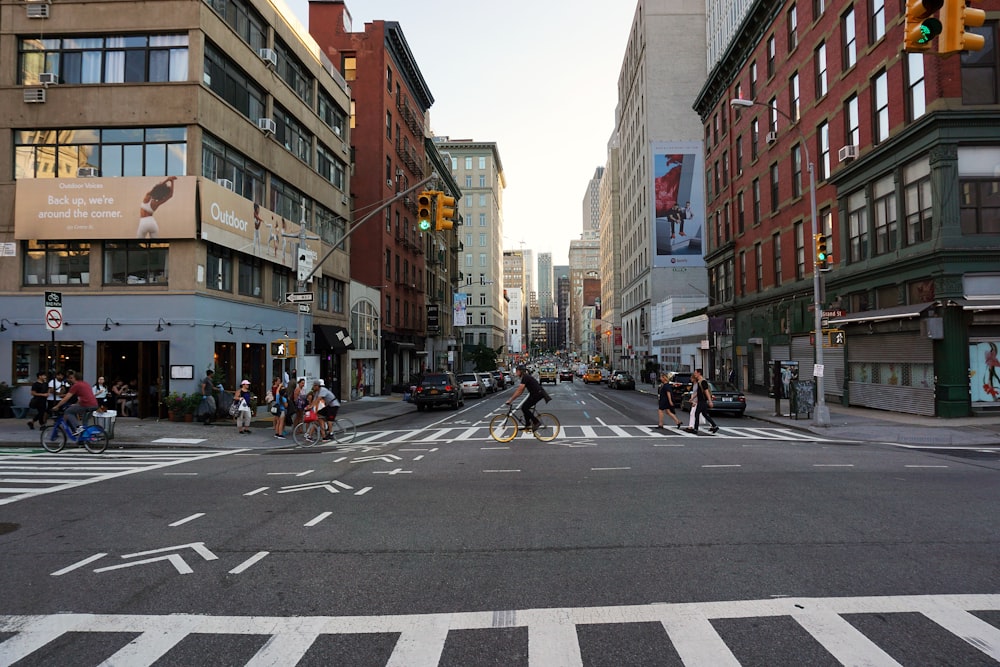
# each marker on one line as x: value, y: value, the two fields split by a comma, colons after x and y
x: 298, y: 297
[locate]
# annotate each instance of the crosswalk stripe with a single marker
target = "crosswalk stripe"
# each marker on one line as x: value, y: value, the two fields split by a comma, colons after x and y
x: 845, y: 642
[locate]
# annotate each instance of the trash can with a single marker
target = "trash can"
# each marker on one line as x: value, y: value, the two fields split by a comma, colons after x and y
x: 106, y: 420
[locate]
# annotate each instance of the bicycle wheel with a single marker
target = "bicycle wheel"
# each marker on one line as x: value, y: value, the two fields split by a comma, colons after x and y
x: 343, y: 430
x: 95, y: 439
x: 53, y: 439
x: 549, y: 428
x: 503, y: 428
x: 305, y: 434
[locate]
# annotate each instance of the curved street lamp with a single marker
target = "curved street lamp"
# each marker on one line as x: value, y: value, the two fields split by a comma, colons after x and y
x: 822, y: 411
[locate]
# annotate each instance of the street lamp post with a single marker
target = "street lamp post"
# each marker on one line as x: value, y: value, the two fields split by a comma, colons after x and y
x: 822, y: 411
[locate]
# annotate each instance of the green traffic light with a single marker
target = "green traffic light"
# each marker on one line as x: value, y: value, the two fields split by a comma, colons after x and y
x: 929, y: 29
x: 424, y: 225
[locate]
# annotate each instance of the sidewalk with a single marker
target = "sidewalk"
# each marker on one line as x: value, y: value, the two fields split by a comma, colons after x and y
x: 846, y: 423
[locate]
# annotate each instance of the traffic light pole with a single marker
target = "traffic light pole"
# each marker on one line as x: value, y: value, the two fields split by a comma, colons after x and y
x: 303, y: 279
x: 822, y: 411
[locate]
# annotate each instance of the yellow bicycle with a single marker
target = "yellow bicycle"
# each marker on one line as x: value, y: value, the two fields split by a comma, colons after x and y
x: 504, y: 427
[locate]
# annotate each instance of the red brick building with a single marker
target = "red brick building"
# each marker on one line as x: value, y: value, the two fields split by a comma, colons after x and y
x: 390, y: 100
x: 906, y: 149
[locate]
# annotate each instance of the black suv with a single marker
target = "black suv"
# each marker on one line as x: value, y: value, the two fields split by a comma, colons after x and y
x: 438, y: 389
x: 680, y: 386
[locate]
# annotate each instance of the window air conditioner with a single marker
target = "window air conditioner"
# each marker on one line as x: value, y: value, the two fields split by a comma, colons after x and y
x: 38, y: 10
x: 848, y: 153
x: 48, y: 78
x: 269, y: 57
x: 267, y: 125
x: 226, y: 183
x: 88, y: 172
x: 771, y: 137
x: 34, y: 95
x: 343, y: 199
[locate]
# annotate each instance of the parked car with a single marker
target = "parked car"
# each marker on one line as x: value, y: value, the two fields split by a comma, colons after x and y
x: 548, y: 374
x: 438, y: 389
x: 491, y: 385
x: 565, y: 374
x: 726, y: 397
x: 680, y: 385
x: 622, y: 380
x: 471, y: 385
x: 592, y: 375
x: 499, y: 379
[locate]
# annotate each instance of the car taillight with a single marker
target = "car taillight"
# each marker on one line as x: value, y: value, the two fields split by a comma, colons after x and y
x: 742, y: 399
x: 419, y: 389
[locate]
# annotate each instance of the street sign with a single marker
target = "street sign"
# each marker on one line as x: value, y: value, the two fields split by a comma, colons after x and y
x: 53, y: 319
x: 298, y: 297
x: 305, y: 308
x: 53, y: 299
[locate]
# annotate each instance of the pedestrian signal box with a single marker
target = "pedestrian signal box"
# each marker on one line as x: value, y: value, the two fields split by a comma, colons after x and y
x: 283, y: 349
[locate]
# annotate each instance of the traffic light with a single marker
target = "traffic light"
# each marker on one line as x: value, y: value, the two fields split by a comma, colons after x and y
x: 921, y: 27
x: 955, y: 16
x: 283, y: 348
x: 424, y: 211
x: 444, y: 213
x: 822, y: 256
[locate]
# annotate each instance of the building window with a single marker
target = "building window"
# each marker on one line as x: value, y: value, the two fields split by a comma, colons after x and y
x: 388, y: 264
x: 800, y: 252
x: 468, y: 163
x: 365, y: 328
x: 482, y: 219
x: 979, y: 204
x: 740, y: 213
x: 759, y: 266
x: 338, y: 288
x: 915, y: 85
x: 823, y: 141
x: 482, y: 299
x: 877, y: 20
x: 293, y: 135
x: 219, y: 269
x: 135, y: 263
x: 756, y: 202
x: 776, y: 244
x: 250, y: 276
x: 294, y: 73
x: 57, y: 263
x: 753, y: 80
x: 884, y: 205
x: 743, y: 273
x: 739, y: 155
x: 857, y: 226
x: 281, y: 283
x: 979, y: 68
x: 58, y: 153
x: 793, y: 28
x: 332, y: 115
x: 770, y: 56
x: 97, y: 60
x: 774, y: 187
x: 243, y: 19
x: 852, y: 121
x: 849, y: 40
x: 482, y: 162
x: 232, y: 84
x: 219, y: 160
x: 31, y: 357
x: 349, y: 64
x: 323, y: 294
x: 797, y: 170
x: 754, y: 138
x: 880, y: 107
x: 820, y: 60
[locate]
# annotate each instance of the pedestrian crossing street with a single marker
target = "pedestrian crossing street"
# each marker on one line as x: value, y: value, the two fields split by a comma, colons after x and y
x: 691, y: 634
x: 480, y: 432
x: 28, y: 474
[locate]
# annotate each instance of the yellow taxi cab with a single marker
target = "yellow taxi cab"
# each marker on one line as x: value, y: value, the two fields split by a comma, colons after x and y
x: 592, y: 375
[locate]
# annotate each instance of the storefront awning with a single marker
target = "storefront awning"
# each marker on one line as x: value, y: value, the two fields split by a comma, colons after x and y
x: 333, y: 338
x: 894, y: 313
x: 978, y: 304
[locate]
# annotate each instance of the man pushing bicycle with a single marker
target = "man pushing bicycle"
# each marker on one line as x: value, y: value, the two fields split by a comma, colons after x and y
x: 535, y: 394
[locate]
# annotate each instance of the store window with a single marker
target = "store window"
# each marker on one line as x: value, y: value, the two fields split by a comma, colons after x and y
x: 31, y: 357
x: 219, y: 272
x: 135, y: 263
x: 56, y: 263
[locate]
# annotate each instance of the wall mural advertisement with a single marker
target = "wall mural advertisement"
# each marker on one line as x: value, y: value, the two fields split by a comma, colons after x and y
x: 147, y: 207
x: 678, y: 203
x: 459, y: 308
x: 984, y: 372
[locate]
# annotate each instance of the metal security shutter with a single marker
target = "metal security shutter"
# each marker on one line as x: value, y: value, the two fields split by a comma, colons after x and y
x: 802, y: 352
x: 898, y: 348
x: 833, y: 369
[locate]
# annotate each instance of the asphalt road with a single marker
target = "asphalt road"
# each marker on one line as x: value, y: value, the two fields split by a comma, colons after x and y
x: 428, y: 543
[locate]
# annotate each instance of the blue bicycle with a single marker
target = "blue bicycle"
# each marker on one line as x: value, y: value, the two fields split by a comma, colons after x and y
x: 93, y: 437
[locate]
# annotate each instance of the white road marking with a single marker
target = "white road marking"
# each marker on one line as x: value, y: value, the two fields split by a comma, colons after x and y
x: 511, y: 470
x: 187, y: 519
x: 317, y: 519
x: 256, y: 491
x: 79, y: 564
x: 179, y: 441
x: 622, y: 468
x: 245, y: 565
x: 553, y: 639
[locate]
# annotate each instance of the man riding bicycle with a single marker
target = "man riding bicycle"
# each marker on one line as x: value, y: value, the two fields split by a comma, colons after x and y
x: 86, y: 401
x: 535, y: 394
x: 326, y: 405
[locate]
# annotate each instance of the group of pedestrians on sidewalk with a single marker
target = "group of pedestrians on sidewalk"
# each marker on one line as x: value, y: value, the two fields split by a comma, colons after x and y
x: 701, y: 401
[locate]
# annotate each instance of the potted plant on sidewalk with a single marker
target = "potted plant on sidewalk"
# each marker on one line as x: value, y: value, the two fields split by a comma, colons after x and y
x: 191, y: 403
x: 175, y: 406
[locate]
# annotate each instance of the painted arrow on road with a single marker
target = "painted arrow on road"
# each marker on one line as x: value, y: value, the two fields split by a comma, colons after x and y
x: 385, y: 458
x: 329, y: 486
x: 174, y: 559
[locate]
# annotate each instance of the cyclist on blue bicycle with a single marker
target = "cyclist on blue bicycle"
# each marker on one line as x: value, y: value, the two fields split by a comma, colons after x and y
x: 535, y: 394
x: 85, y: 401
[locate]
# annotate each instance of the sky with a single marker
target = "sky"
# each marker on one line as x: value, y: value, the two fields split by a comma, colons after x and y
x: 538, y: 77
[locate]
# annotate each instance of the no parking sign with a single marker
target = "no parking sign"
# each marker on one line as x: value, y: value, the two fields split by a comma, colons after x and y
x: 53, y: 311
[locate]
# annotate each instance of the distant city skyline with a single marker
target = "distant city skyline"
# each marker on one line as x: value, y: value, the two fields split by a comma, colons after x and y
x: 549, y: 108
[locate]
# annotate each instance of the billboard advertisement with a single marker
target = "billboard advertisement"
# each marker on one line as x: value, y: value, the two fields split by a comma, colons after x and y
x: 678, y: 211
x: 460, y: 306
x: 86, y: 209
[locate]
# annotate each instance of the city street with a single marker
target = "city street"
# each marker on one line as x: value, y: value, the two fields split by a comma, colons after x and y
x: 426, y: 542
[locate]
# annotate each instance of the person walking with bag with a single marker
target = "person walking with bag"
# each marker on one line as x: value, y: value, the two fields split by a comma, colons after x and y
x: 704, y: 396
x: 243, y: 413
x: 666, y: 401
x: 207, y: 409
